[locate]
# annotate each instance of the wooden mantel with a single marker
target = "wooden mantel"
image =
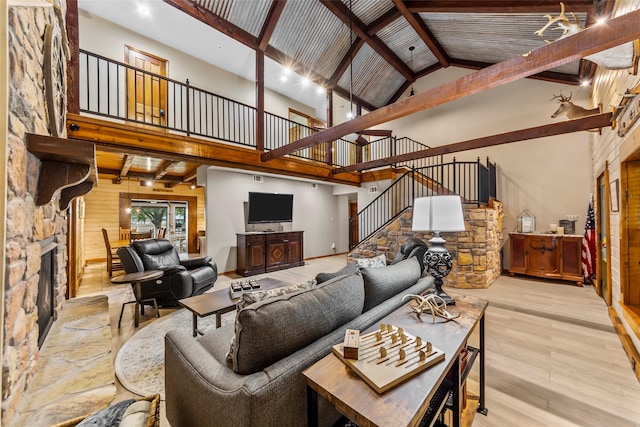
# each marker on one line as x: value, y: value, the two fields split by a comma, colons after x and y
x: 67, y: 165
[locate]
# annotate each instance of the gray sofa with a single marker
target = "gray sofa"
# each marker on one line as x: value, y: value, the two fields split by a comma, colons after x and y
x: 258, y: 382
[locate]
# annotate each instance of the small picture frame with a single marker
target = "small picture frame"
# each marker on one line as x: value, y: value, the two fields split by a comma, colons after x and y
x: 615, y: 207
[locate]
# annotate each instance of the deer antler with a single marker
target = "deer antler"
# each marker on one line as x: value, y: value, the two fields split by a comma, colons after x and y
x: 562, y: 98
x: 561, y: 17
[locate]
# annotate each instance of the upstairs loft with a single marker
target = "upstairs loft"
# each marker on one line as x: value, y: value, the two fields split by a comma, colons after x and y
x: 131, y: 112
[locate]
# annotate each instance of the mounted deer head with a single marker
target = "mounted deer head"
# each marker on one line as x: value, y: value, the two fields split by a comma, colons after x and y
x: 617, y: 58
x: 569, y: 109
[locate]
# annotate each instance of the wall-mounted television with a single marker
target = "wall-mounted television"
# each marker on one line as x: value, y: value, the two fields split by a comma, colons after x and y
x: 270, y: 207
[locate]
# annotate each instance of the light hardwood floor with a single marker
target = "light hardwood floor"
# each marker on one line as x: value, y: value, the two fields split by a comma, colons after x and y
x: 553, y: 357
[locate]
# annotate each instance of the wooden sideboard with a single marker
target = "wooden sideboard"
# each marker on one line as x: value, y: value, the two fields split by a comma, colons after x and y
x: 263, y: 252
x: 552, y: 256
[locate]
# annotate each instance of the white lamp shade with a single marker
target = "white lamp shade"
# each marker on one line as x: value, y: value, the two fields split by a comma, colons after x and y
x: 438, y: 213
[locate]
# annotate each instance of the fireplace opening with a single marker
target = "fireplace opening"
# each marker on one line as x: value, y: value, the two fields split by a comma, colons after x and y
x: 46, y: 299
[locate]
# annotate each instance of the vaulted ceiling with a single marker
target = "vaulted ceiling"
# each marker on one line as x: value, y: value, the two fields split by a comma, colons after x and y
x: 371, y: 50
x: 362, y: 48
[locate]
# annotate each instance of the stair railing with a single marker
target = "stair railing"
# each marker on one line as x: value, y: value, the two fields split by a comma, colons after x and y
x: 473, y: 181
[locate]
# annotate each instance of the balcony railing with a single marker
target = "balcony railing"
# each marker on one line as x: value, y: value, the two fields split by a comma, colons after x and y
x: 120, y: 91
x: 473, y: 181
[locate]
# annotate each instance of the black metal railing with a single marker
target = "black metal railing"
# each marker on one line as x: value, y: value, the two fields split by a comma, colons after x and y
x: 473, y: 181
x: 120, y: 91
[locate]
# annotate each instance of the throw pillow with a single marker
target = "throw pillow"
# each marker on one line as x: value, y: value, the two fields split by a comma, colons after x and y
x: 381, y: 284
x: 144, y: 412
x: 376, y: 261
x: 249, y: 298
x: 257, y: 296
x: 109, y: 416
x: 350, y: 268
x: 275, y: 328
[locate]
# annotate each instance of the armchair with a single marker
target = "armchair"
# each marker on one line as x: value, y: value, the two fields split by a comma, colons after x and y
x: 412, y: 247
x: 182, y: 277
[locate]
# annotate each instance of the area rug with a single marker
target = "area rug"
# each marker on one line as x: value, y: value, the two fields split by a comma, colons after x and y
x: 139, y: 364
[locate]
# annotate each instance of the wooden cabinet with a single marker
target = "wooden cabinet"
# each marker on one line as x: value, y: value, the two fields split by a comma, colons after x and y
x: 546, y: 255
x: 266, y: 252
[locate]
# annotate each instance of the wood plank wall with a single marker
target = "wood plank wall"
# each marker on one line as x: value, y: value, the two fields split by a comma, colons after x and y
x: 102, y: 211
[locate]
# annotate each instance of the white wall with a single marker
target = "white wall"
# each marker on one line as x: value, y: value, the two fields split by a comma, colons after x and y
x: 322, y: 215
x: 109, y: 40
x: 551, y: 177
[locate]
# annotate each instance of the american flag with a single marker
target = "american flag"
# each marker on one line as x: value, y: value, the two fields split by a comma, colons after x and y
x: 589, y: 247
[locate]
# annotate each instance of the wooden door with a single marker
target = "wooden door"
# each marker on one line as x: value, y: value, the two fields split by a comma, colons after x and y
x: 603, y: 256
x: 631, y: 191
x: 353, y: 224
x: 146, y: 91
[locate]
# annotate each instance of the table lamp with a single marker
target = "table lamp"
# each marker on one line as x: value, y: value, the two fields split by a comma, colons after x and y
x: 438, y: 214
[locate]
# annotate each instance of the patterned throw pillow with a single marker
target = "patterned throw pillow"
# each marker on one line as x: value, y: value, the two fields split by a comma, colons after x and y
x: 376, y: 261
x: 249, y: 298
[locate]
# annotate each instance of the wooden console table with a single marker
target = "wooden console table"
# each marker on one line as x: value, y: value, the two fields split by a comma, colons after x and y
x: 552, y: 256
x: 263, y: 252
x: 420, y: 397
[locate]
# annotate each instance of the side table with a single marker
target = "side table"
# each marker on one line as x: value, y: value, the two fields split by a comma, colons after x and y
x: 136, y: 279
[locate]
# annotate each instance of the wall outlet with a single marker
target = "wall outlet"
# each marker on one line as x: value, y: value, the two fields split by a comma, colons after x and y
x: 333, y: 246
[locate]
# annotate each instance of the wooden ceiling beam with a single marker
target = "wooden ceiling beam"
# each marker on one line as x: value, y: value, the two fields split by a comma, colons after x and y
x: 115, y: 137
x: 141, y: 175
x: 423, y: 31
x: 495, y: 6
x: 386, y: 19
x: 548, y: 76
x: 270, y: 23
x: 214, y: 21
x: 359, y: 101
x: 346, y: 16
x: 619, y: 30
x: 569, y: 126
x: 164, y: 168
x: 126, y: 164
x: 346, y: 61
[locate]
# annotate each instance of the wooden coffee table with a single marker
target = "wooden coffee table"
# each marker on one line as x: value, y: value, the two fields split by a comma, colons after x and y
x: 423, y: 394
x: 219, y: 302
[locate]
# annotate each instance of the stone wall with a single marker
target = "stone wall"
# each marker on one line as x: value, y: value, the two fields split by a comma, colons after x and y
x: 27, y: 224
x: 475, y: 252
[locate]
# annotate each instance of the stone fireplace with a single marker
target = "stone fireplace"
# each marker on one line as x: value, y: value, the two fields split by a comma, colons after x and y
x: 31, y: 230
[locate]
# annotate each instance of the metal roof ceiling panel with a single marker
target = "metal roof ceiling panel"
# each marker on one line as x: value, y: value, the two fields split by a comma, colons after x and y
x: 399, y: 36
x: 369, y: 70
x: 490, y: 37
x: 368, y: 11
x: 310, y: 33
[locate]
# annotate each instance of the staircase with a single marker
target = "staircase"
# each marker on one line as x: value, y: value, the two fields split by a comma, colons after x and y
x: 473, y: 181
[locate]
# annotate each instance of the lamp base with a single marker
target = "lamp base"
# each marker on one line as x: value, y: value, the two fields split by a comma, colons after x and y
x: 438, y: 263
x: 448, y: 300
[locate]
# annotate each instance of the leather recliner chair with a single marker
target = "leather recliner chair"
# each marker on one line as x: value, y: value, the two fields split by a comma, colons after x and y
x: 412, y: 247
x: 182, y: 277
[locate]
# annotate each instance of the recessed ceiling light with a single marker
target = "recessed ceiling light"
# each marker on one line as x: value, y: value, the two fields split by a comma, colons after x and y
x: 284, y: 78
x: 349, y: 115
x: 305, y: 81
x: 320, y: 90
x: 585, y: 83
x: 601, y: 20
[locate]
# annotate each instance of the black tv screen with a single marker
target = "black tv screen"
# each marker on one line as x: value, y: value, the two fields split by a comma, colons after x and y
x: 270, y: 207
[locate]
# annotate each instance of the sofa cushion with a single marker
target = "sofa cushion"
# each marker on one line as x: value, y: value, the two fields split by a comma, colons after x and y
x: 272, y: 329
x: 348, y: 269
x: 382, y: 283
x: 252, y: 297
x: 376, y: 261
